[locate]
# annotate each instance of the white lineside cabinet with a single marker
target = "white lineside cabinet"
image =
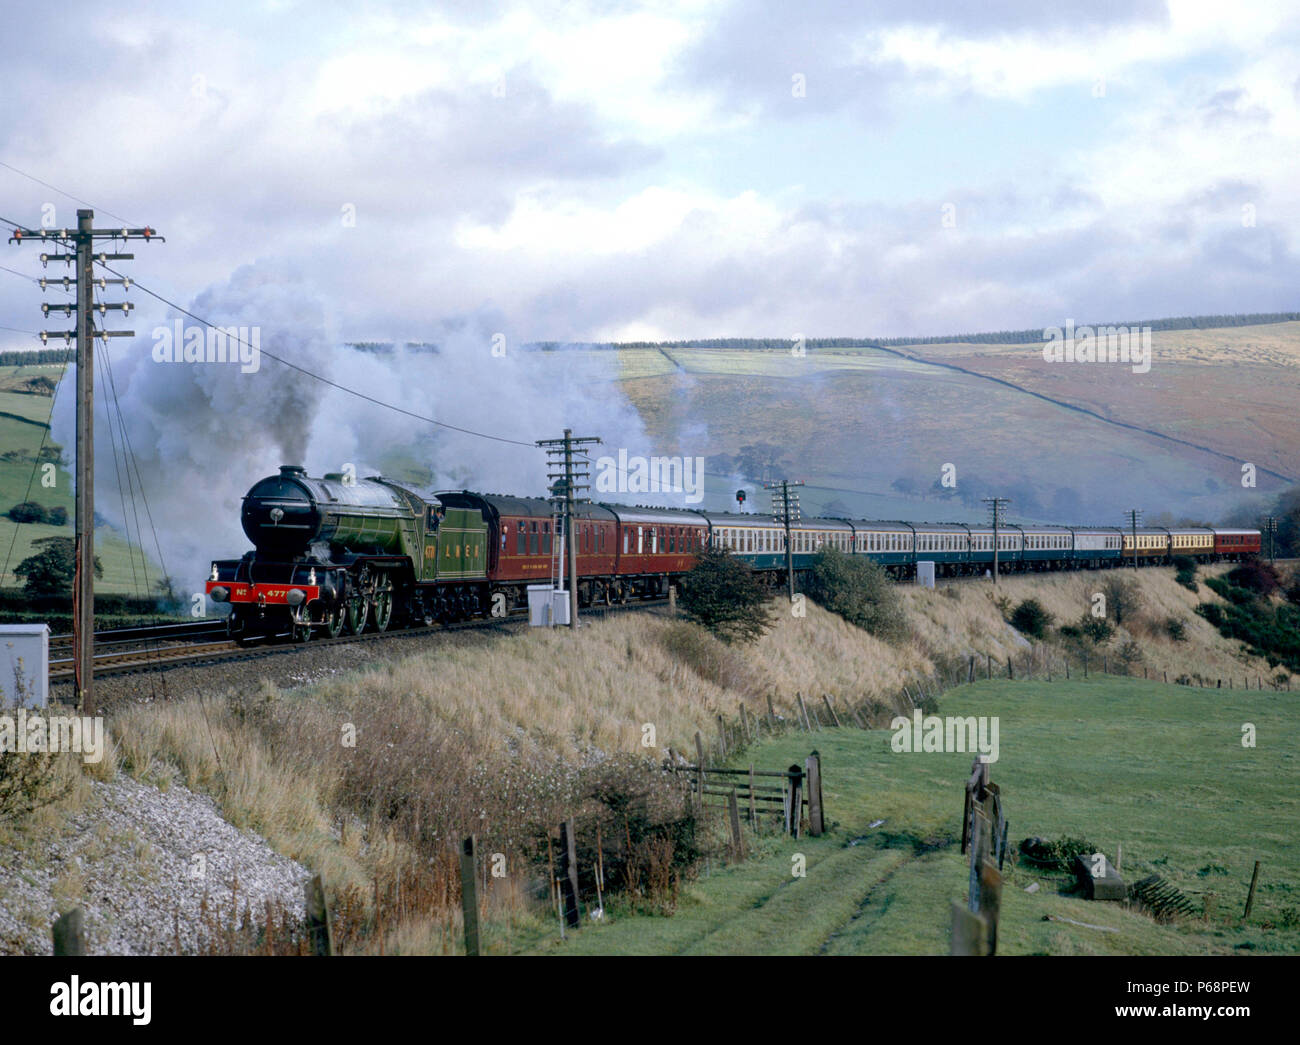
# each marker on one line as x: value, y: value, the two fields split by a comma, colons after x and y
x: 24, y: 665
x: 925, y: 574
x: 547, y: 607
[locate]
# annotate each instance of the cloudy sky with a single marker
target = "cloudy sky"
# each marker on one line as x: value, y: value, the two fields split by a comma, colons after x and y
x: 683, y: 169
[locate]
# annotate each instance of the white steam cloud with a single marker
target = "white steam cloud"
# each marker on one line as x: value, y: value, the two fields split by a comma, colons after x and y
x: 203, y: 433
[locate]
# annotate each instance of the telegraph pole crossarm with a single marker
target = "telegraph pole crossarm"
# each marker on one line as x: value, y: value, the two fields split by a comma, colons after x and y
x: 78, y: 248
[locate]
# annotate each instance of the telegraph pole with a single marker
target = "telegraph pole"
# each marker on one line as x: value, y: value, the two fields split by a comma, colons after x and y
x: 564, y: 486
x: 1134, y: 516
x: 1270, y: 527
x: 997, y: 510
x: 82, y: 242
x: 785, y: 510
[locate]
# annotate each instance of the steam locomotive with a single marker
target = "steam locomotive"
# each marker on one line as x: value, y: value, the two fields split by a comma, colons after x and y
x: 335, y: 554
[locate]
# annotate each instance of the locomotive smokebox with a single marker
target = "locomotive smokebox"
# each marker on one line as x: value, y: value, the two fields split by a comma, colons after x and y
x: 280, y: 515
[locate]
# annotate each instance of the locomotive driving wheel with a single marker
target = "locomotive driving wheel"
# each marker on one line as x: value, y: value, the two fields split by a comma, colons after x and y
x: 383, y: 602
x: 335, y: 619
x: 358, y: 603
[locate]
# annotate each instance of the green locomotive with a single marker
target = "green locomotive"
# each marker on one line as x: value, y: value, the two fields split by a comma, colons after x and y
x: 344, y: 554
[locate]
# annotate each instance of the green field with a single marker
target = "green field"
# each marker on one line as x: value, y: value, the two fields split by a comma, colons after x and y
x: 23, y: 422
x: 1159, y: 770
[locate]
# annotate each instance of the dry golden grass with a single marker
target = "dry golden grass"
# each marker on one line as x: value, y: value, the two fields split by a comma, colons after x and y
x: 491, y: 738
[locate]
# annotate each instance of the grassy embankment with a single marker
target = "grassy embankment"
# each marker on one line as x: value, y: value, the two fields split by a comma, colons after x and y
x: 495, y: 735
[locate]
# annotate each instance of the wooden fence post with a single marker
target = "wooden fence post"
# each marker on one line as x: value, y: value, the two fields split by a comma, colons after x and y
x: 469, y: 895
x: 733, y: 808
x: 1010, y: 672
x: 753, y: 812
x: 1250, y: 898
x: 319, y: 931
x: 70, y: 934
x: 771, y: 713
x: 969, y: 932
x: 569, y: 873
x: 699, y: 774
x: 803, y: 711
x: 990, y: 666
x: 970, y: 675
x: 990, y: 901
x: 744, y: 725
x: 722, y: 736
x: 826, y: 697
x: 794, y: 813
x: 816, y: 813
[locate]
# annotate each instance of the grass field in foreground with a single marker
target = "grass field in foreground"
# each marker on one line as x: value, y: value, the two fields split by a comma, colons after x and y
x: 1158, y: 769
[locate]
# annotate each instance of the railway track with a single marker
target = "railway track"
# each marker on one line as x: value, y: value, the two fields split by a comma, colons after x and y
x: 188, y: 653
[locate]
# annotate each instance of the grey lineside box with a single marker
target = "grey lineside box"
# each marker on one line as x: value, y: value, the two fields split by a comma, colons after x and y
x: 24, y: 665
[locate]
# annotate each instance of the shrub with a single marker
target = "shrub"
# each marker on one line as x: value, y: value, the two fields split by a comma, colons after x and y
x: 724, y: 595
x: 860, y: 591
x: 1030, y: 618
x: 1267, y: 630
x: 50, y: 571
x: 1176, y: 629
x: 1131, y: 653
x: 1255, y: 576
x: 32, y: 512
x: 1095, y: 629
x: 29, y: 781
x: 1234, y: 594
x: 27, y: 512
x: 1186, y: 575
x: 1055, y: 853
x: 1123, y: 597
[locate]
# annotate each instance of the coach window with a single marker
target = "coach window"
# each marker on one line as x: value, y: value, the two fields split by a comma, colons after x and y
x: 546, y: 538
x: 521, y: 539
x: 532, y: 538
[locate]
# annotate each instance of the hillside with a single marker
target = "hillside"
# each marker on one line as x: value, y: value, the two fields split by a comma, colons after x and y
x: 503, y: 735
x: 25, y: 436
x: 869, y: 429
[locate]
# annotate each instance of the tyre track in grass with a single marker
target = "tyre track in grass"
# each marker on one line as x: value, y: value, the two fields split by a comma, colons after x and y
x: 793, y: 918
